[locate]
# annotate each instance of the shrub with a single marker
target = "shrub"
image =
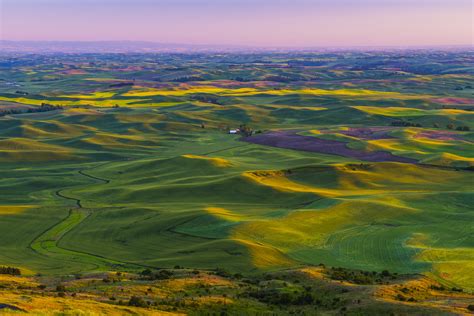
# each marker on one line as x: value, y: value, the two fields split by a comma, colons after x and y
x: 137, y: 302
x: 304, y: 299
x: 163, y: 275
x: 400, y: 297
x: 222, y: 273
x: 437, y: 288
x: 146, y: 272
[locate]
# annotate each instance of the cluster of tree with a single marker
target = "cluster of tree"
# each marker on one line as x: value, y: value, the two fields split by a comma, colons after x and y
x: 148, y: 274
x: 402, y: 298
x: 458, y: 128
x: 10, y: 111
x: 187, y: 79
x: 121, y: 84
x: 405, y: 124
x: 361, y: 277
x: 306, y: 63
x: 138, y: 302
x: 43, y: 108
x: 280, y: 297
x: 10, y: 270
x: 207, y: 98
x: 60, y: 288
x: 241, y: 79
x: 21, y: 92
x: 438, y: 287
x: 245, y: 130
x: 463, y: 108
x: 435, y: 125
x: 111, y: 279
x: 458, y: 88
x: 278, y: 79
x: 222, y: 272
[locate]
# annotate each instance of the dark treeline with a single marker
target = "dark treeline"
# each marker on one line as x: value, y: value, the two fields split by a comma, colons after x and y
x: 44, y: 107
x: 10, y: 270
x: 462, y: 128
x: 405, y: 124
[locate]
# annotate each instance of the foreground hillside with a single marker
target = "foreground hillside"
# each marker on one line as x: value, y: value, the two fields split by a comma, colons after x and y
x: 116, y: 169
x: 308, y: 291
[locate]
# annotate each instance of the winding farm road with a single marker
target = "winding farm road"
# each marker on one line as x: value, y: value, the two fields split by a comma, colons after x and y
x: 47, y: 243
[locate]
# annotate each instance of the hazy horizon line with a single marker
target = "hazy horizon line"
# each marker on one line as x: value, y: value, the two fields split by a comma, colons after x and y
x: 157, y: 45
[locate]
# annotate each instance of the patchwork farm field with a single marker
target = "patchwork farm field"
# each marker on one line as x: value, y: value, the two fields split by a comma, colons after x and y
x: 348, y: 172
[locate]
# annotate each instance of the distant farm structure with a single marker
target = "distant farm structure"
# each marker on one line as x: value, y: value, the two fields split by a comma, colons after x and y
x: 242, y: 130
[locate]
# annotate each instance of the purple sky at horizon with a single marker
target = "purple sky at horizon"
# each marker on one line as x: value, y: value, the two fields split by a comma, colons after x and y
x: 284, y: 23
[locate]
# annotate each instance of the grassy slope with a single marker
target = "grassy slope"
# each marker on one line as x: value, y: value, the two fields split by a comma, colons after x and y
x: 149, y: 195
x: 157, y: 203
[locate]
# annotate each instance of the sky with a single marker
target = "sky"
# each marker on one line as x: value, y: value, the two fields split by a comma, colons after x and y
x: 262, y: 23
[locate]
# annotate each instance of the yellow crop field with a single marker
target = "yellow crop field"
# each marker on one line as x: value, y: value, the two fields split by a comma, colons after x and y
x: 277, y: 92
x: 399, y: 111
x: 14, y: 209
x: 218, y: 162
x: 95, y: 95
x: 224, y: 214
x: 455, y: 265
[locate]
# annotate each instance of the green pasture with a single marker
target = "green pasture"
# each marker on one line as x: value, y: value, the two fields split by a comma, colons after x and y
x: 158, y: 182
